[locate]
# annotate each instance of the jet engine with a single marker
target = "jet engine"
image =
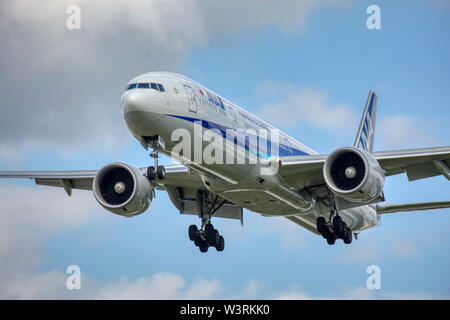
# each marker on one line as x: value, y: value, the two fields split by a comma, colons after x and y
x: 354, y: 175
x: 122, y: 189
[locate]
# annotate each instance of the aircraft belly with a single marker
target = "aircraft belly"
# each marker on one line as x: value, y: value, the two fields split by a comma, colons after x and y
x: 259, y: 201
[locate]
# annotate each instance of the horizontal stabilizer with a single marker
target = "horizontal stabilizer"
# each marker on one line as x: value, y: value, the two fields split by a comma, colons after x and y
x: 382, y: 209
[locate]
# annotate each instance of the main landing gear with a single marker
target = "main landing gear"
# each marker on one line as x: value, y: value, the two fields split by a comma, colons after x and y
x: 156, y: 170
x: 334, y: 229
x: 207, y: 236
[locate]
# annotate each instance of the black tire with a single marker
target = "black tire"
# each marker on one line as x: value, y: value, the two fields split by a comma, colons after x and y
x: 221, y: 244
x: 193, y: 230
x: 213, y: 238
x: 161, y: 172
x: 197, y: 240
x: 338, y: 226
x: 320, y: 224
x: 331, y: 241
x: 204, y: 247
x: 151, y: 174
x: 344, y: 230
x: 208, y: 228
x: 348, y: 236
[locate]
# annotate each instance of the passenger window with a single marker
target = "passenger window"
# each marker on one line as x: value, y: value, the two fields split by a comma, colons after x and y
x: 154, y: 86
x: 131, y: 86
x: 161, y: 88
x: 144, y: 85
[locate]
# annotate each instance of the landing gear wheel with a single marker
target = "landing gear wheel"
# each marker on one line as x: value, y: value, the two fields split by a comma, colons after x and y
x: 207, y: 236
x: 344, y: 228
x: 151, y: 174
x: 348, y: 236
x: 211, y: 234
x: 197, y: 240
x: 193, y: 230
x: 327, y: 234
x: 320, y: 224
x: 213, y: 238
x: 161, y: 172
x: 338, y: 226
x: 208, y: 228
x: 204, y: 247
x: 331, y: 241
x: 221, y: 244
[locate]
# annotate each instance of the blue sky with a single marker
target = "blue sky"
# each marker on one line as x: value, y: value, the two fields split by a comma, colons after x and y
x: 324, y: 56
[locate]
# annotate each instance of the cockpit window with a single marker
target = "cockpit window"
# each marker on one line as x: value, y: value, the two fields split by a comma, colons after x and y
x: 131, y: 86
x: 144, y: 85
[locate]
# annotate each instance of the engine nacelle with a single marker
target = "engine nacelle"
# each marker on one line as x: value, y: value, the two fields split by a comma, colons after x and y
x: 354, y: 175
x: 122, y: 189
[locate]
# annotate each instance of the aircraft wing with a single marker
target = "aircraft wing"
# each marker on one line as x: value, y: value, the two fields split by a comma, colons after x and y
x: 391, y: 208
x: 176, y: 175
x: 180, y: 183
x: 417, y: 163
x: 306, y: 171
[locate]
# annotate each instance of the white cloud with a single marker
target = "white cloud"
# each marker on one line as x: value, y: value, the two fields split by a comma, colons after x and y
x: 303, y: 105
x: 30, y: 216
x: 292, y: 295
x: 402, y: 131
x: 162, y: 285
x: 61, y: 88
x: 52, y: 285
x: 361, y: 293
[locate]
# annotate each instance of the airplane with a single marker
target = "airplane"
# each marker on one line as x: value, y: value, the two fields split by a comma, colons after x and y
x: 334, y: 195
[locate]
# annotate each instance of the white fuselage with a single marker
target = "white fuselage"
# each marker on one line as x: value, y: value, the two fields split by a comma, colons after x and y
x: 171, y: 101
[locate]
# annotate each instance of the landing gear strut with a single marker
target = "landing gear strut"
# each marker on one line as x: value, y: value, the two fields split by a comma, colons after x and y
x: 156, y: 170
x: 335, y: 227
x: 207, y: 236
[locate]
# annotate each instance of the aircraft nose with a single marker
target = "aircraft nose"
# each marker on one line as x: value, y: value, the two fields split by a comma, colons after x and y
x: 134, y: 100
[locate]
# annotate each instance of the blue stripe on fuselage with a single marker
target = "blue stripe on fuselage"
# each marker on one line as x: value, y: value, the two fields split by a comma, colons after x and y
x: 284, y: 150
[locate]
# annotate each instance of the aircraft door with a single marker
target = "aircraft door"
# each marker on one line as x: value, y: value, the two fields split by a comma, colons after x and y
x: 192, y: 98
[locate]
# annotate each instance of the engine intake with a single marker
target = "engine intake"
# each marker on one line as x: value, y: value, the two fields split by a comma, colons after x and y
x: 354, y: 175
x: 122, y: 189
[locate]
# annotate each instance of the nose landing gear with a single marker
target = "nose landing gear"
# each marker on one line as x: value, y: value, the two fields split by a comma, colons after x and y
x: 156, y: 170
